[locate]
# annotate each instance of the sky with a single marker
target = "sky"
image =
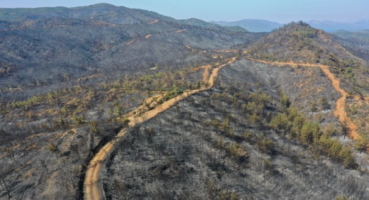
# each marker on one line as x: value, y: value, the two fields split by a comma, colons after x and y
x: 282, y: 11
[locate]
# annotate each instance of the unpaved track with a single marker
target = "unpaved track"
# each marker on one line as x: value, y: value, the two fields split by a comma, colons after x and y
x: 180, y: 31
x: 93, y: 186
x: 188, y: 47
x: 154, y: 22
x: 131, y: 42
x: 205, y: 75
x: 340, y: 111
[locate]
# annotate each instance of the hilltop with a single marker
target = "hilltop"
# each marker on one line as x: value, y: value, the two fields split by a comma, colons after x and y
x: 298, y: 42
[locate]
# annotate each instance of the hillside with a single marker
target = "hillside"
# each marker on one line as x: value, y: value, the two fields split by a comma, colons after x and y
x: 95, y: 13
x: 214, y: 145
x: 115, y: 40
x: 298, y: 42
x: 100, y: 12
x: 357, y: 42
x: 106, y: 102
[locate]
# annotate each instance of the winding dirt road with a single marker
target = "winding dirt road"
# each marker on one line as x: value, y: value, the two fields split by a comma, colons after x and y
x: 93, y: 186
x: 340, y: 111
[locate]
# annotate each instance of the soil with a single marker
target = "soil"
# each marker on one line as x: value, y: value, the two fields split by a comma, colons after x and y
x: 340, y: 111
x: 154, y: 22
x: 93, y: 187
x: 175, y: 155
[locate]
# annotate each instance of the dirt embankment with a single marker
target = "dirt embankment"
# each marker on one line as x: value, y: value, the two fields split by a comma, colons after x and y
x: 93, y: 187
x: 340, y: 110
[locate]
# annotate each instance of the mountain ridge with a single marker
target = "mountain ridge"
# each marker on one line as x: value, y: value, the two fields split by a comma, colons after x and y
x: 258, y: 25
x: 33, y: 41
x: 108, y: 13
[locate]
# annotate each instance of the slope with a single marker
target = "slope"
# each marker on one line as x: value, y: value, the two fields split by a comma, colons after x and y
x: 356, y: 42
x: 42, y: 46
x: 298, y: 44
x: 340, y: 110
x: 217, y: 144
x: 93, y: 188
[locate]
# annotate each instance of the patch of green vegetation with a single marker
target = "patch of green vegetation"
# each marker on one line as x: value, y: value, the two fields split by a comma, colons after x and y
x: 67, y: 107
x: 216, y: 192
x: 299, y: 42
x: 288, y: 121
x: 310, y: 134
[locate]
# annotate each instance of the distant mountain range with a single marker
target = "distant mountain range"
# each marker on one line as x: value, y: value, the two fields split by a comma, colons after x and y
x: 335, y: 26
x: 257, y: 25
x: 252, y: 25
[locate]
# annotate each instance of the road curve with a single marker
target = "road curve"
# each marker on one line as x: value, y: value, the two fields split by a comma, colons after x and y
x: 340, y: 110
x: 93, y: 186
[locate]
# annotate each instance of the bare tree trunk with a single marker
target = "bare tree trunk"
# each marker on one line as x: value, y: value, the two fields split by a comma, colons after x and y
x: 6, y: 187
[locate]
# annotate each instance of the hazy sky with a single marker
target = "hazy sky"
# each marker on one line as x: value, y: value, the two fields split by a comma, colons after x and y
x: 228, y: 10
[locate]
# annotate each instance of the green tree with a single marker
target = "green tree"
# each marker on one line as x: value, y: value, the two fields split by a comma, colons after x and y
x: 342, y: 197
x: 225, y: 125
x: 265, y: 145
x: 324, y: 103
x: 198, y: 85
x: 280, y: 122
x: 313, y: 106
x: 346, y: 156
x: 310, y: 132
x: 285, y: 103
x: 361, y: 143
x: 94, y: 128
x: 53, y: 148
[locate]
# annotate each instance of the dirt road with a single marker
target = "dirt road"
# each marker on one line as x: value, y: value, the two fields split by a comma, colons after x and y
x: 340, y: 111
x: 154, y: 22
x: 180, y: 31
x: 93, y: 186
